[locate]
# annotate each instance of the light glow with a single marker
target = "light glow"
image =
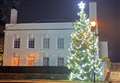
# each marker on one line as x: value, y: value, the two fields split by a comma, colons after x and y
x: 31, y: 59
x: 15, y: 61
x: 93, y: 23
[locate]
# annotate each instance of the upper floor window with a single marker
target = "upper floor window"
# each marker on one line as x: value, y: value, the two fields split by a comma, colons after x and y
x: 60, y: 61
x: 60, y: 43
x: 46, y: 42
x: 45, y: 61
x: 17, y: 43
x: 31, y: 43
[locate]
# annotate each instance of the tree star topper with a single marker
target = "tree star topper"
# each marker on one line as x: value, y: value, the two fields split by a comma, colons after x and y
x: 81, y: 6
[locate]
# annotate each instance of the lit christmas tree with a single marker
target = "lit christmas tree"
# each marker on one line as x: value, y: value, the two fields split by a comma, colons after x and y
x: 84, y: 62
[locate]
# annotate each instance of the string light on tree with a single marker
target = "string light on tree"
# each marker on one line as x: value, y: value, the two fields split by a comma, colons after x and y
x: 83, y: 59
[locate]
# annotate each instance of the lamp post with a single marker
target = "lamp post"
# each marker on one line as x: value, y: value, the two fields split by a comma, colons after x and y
x: 93, y: 29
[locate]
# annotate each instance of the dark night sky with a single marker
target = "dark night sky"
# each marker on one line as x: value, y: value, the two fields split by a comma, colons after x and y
x: 108, y: 20
x: 66, y: 10
x: 50, y: 10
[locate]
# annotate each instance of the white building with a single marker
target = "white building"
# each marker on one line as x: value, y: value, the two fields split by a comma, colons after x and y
x: 38, y: 44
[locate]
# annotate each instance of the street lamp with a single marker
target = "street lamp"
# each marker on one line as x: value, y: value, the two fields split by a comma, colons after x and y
x: 93, y: 26
x: 93, y: 29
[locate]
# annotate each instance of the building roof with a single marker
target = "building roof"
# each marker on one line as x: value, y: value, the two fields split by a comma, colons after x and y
x: 39, y: 26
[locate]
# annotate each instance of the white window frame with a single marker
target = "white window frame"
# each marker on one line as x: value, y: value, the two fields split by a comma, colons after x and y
x: 46, y: 61
x: 46, y: 43
x: 60, y: 61
x: 16, y: 43
x: 31, y: 43
x: 60, y: 43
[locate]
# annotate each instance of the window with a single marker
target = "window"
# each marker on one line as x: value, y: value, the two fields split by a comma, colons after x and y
x: 45, y: 61
x: 17, y: 43
x: 60, y: 61
x: 46, y: 42
x: 16, y: 61
x: 60, y: 43
x: 31, y: 59
x: 31, y: 43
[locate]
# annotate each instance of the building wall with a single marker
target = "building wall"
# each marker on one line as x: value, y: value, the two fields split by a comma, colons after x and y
x: 40, y: 31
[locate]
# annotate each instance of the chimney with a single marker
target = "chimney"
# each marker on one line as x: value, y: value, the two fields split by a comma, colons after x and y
x: 13, y: 16
x: 93, y: 11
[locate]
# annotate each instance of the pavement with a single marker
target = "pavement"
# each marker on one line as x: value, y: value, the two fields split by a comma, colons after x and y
x: 38, y: 81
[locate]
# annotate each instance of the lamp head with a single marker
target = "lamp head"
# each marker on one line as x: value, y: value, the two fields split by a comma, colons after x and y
x: 93, y: 23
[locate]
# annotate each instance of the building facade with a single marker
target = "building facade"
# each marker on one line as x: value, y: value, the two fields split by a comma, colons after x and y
x: 37, y: 44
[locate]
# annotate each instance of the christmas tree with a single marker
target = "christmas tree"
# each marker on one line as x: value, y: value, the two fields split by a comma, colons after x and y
x: 84, y: 61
